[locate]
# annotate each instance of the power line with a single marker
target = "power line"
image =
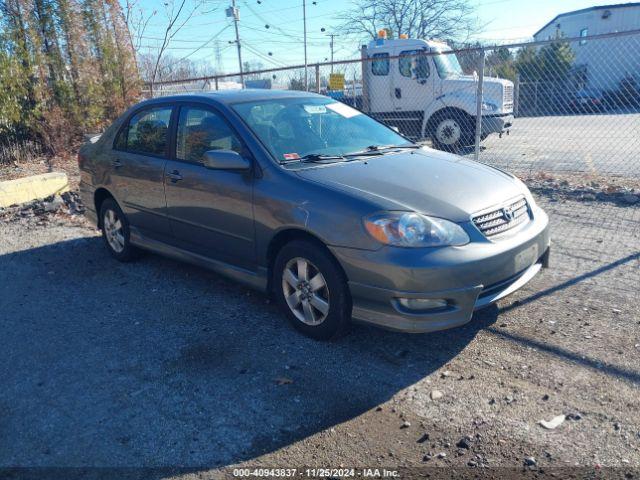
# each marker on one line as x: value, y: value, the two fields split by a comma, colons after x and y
x: 515, y: 27
x: 260, y: 17
x: 493, y: 2
x: 216, y: 35
x: 283, y: 31
x: 317, y: 42
x: 206, y: 24
x: 294, y: 40
x: 262, y: 56
x: 288, y: 32
x: 173, y: 40
x: 285, y: 36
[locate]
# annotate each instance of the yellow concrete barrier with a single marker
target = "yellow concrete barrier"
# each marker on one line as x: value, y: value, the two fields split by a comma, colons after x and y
x: 22, y: 190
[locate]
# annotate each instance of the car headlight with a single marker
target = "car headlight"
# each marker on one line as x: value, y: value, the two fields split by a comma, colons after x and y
x: 409, y: 229
x: 489, y: 107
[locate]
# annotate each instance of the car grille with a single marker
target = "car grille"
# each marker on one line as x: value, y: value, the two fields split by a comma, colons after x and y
x: 504, y: 218
x: 507, y: 98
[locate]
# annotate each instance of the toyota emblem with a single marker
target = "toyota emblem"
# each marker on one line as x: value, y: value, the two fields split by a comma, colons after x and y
x: 508, y: 214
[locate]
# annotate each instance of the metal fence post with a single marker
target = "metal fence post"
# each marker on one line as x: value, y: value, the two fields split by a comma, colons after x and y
x: 353, y: 91
x: 365, y: 87
x: 479, y: 106
x: 516, y: 95
x: 317, y: 78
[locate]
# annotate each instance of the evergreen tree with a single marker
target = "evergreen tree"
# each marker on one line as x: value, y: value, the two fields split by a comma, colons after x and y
x: 66, y: 67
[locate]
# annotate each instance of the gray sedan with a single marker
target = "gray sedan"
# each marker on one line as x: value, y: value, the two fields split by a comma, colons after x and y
x: 306, y: 198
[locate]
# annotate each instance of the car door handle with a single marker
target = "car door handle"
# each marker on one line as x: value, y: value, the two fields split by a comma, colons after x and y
x: 116, y: 163
x: 174, y: 176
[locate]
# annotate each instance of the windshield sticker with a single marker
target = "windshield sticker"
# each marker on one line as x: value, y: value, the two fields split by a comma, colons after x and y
x: 345, y: 110
x: 314, y: 109
x: 291, y: 156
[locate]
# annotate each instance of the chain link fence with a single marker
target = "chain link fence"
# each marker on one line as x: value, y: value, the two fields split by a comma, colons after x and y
x: 562, y: 114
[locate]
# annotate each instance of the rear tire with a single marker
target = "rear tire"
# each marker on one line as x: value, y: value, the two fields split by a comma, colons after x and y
x: 311, y: 289
x: 115, y: 232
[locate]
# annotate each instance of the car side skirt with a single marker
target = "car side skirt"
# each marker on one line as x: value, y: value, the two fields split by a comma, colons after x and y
x: 256, y: 280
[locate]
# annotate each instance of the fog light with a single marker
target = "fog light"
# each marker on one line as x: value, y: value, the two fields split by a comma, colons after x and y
x: 422, y: 303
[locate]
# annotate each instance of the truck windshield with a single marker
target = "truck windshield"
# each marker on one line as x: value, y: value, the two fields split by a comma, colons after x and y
x: 293, y: 128
x: 447, y: 65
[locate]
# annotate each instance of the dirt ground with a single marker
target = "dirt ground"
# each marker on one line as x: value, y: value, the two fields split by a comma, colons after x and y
x: 67, y: 164
x: 160, y: 364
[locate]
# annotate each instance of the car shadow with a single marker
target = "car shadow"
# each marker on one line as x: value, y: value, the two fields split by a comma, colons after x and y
x: 157, y: 363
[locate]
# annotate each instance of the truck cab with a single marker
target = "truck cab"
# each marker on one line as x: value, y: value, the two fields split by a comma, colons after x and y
x: 419, y: 87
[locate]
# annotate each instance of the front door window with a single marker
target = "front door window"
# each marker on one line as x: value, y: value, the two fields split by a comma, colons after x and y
x: 201, y: 130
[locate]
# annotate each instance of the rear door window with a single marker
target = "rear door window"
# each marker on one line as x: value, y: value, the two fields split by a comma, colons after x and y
x: 147, y: 132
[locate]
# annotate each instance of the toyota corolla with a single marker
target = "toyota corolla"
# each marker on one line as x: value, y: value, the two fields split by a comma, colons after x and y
x: 336, y: 215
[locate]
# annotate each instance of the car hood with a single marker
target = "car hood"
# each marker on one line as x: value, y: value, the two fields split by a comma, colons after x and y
x: 426, y: 181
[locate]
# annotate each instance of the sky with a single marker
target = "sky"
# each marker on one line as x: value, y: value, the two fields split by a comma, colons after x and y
x: 207, y: 35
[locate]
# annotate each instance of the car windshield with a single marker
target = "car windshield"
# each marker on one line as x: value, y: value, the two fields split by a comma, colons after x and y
x: 588, y: 93
x: 314, y: 127
x: 447, y: 65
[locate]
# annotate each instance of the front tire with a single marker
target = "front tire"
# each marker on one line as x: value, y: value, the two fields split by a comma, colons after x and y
x: 311, y: 289
x: 115, y: 232
x: 451, y: 132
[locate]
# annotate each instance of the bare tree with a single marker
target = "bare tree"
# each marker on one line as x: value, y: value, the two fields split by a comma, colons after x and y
x: 137, y: 20
x: 178, y: 13
x: 446, y: 19
x: 172, y: 68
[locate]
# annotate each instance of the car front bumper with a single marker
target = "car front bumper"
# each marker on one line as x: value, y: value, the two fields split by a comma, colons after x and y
x: 469, y: 277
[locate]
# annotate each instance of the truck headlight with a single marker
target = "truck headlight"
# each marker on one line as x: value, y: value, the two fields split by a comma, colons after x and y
x: 410, y: 229
x: 489, y: 107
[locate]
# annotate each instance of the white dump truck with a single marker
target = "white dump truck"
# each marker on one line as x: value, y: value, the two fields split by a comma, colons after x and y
x: 419, y: 87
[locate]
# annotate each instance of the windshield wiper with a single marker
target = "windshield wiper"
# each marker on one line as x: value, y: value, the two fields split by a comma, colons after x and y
x: 314, y: 158
x: 386, y: 147
x: 377, y: 149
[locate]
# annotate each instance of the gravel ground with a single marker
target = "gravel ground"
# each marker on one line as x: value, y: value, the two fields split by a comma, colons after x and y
x: 160, y: 364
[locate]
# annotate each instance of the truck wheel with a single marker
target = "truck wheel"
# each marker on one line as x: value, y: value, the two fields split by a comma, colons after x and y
x: 451, y: 133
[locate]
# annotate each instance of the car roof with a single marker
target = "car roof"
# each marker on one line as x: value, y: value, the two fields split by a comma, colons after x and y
x: 227, y: 97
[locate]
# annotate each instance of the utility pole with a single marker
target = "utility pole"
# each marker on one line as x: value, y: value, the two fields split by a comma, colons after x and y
x: 332, y: 36
x: 232, y: 11
x: 304, y: 20
x: 219, y: 68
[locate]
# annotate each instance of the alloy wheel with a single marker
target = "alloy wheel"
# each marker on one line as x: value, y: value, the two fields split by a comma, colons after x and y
x: 305, y: 291
x: 113, y: 231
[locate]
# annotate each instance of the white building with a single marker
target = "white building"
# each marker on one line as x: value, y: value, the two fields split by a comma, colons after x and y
x: 600, y: 63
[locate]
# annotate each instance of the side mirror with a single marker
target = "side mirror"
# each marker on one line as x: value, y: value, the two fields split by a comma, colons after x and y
x: 225, y: 160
